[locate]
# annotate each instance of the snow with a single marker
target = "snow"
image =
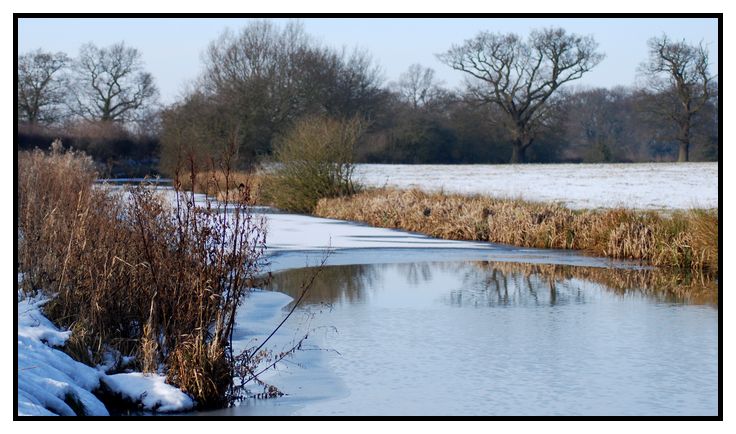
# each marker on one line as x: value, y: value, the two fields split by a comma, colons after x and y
x: 49, y: 379
x: 299, y: 232
x: 33, y: 325
x: 578, y: 186
x: 150, y: 390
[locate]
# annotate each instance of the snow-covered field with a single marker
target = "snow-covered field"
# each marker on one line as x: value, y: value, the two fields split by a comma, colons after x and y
x: 641, y: 185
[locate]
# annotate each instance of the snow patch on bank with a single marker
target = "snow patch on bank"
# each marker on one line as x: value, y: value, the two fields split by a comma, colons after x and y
x: 51, y: 383
x: 150, y: 390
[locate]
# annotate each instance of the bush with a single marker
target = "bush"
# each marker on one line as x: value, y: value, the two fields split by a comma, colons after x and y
x: 314, y: 160
x: 144, y: 275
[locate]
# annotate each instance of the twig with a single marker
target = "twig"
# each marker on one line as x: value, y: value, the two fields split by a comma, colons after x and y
x: 305, y: 288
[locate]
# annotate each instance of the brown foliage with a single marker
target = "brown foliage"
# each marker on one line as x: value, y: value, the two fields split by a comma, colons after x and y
x: 212, y: 182
x: 685, y: 239
x: 138, y: 275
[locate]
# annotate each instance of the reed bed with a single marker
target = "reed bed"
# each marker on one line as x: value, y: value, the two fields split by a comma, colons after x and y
x: 138, y: 277
x: 212, y: 182
x: 683, y: 239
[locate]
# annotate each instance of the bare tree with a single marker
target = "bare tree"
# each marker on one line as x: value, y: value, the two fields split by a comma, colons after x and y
x: 520, y: 76
x: 111, y: 83
x: 41, y: 87
x: 418, y: 86
x: 678, y: 72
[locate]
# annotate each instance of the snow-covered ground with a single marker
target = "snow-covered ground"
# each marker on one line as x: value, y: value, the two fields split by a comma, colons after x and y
x: 52, y: 383
x: 641, y: 185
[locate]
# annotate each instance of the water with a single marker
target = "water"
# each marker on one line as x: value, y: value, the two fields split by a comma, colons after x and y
x: 483, y: 338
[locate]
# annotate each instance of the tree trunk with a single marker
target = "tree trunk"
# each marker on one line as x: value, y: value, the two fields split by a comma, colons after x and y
x: 684, y: 155
x: 518, y: 150
x: 684, y: 140
x: 517, y: 153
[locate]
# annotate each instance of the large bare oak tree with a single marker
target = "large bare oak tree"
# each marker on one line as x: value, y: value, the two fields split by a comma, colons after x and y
x: 678, y: 73
x: 519, y: 76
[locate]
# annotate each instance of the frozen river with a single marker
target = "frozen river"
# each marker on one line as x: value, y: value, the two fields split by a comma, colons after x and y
x: 401, y: 324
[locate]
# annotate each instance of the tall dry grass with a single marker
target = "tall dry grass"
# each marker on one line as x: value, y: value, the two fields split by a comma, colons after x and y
x: 212, y: 182
x: 139, y: 275
x: 684, y: 239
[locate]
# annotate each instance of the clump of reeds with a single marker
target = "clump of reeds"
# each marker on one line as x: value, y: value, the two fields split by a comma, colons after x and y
x: 212, y: 182
x: 684, y: 239
x: 143, y: 275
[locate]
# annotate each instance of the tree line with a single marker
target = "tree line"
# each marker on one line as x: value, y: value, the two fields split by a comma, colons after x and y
x: 519, y: 102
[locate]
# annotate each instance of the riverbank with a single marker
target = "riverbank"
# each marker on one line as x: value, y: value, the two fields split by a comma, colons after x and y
x: 686, y: 239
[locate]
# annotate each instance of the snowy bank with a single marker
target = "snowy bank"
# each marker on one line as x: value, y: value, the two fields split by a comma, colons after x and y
x: 51, y: 383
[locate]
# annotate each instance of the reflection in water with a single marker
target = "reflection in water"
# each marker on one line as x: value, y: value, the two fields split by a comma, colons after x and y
x: 332, y: 285
x: 487, y: 283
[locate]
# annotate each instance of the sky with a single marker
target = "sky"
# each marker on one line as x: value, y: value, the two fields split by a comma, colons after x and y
x: 172, y: 47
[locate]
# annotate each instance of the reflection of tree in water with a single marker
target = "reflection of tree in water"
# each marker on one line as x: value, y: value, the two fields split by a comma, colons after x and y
x: 501, y: 283
x: 332, y: 284
x: 508, y: 283
x: 491, y: 286
x: 419, y: 272
x: 347, y: 283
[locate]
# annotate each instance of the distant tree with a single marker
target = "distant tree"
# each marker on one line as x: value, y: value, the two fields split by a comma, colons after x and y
x: 678, y: 73
x: 418, y: 86
x: 272, y: 75
x: 198, y: 127
x: 599, y: 121
x: 520, y: 76
x: 41, y: 87
x: 111, y: 84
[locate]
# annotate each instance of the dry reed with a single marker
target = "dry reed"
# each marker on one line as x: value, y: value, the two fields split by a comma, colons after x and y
x: 212, y: 182
x: 139, y: 277
x: 684, y: 239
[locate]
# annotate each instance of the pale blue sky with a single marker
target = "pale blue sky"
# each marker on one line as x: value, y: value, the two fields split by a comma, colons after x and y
x: 172, y: 47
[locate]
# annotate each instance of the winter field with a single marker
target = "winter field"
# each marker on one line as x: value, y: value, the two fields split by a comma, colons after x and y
x: 663, y: 186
